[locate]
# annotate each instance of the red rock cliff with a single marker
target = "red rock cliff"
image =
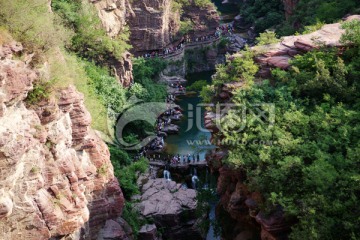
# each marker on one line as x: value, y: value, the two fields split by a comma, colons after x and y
x: 56, y: 178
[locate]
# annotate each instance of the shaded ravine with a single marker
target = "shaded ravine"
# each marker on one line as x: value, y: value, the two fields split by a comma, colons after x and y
x: 193, y: 138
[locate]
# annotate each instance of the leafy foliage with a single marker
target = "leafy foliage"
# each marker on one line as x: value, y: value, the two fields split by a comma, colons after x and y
x: 145, y: 71
x: 185, y: 27
x: 41, y: 91
x: 112, y: 94
x: 267, y: 37
x: 131, y: 216
x: 238, y: 68
x: 90, y: 39
x: 263, y: 13
x: 197, y: 86
x: 127, y: 174
x: 31, y: 23
x: 310, y: 166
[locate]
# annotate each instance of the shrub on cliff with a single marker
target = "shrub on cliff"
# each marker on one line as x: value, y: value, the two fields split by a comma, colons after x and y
x: 238, y: 68
x: 267, y: 37
x: 90, y: 39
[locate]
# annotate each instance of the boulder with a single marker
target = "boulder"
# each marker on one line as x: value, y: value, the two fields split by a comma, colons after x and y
x: 171, y: 207
x: 148, y: 232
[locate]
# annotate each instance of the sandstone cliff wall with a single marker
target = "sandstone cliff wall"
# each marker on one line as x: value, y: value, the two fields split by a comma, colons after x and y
x: 56, y: 178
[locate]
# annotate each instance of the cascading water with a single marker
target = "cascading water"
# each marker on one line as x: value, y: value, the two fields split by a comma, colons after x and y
x: 167, y: 175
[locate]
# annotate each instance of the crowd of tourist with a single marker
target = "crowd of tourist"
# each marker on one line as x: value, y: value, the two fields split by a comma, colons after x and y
x: 223, y: 30
x: 162, y: 122
x: 174, y: 159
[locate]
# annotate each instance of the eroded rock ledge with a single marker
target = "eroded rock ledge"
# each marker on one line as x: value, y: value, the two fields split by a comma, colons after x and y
x: 279, y: 55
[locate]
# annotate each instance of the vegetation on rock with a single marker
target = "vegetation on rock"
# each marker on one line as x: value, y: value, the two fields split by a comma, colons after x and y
x: 310, y: 167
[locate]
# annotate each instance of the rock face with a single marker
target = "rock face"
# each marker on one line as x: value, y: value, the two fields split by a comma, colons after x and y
x: 278, y: 55
x: 171, y: 207
x: 148, y: 232
x: 153, y: 24
x: 205, y: 19
x: 113, y: 15
x: 56, y: 176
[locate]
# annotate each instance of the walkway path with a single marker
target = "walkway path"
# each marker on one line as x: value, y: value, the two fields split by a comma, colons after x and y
x: 160, y: 163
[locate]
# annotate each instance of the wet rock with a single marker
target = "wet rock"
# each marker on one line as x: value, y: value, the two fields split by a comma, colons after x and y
x: 274, y: 225
x: 171, y: 129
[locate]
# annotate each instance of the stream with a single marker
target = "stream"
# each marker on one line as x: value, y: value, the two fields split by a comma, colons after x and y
x: 192, y: 139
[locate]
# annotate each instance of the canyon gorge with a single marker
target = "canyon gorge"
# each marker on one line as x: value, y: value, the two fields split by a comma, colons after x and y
x: 66, y: 81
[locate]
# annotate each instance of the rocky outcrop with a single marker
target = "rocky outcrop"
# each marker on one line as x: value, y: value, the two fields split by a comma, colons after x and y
x: 234, y: 196
x: 113, y: 15
x: 56, y: 176
x: 205, y: 19
x: 278, y: 55
x: 153, y: 24
x: 171, y: 207
x: 123, y: 69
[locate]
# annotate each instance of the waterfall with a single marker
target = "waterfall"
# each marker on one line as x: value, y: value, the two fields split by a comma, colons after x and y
x: 194, y: 181
x: 167, y: 175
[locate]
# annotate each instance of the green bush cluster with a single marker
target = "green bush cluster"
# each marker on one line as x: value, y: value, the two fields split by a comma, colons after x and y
x: 126, y: 171
x: 90, y: 39
x: 131, y: 216
x: 197, y: 86
x: 41, y: 91
x: 263, y: 13
x: 267, y: 37
x: 145, y: 72
x: 310, y: 164
x: 238, y: 68
x: 112, y: 94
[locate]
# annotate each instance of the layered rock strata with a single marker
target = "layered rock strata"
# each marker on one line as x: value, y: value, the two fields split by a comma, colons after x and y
x: 56, y: 176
